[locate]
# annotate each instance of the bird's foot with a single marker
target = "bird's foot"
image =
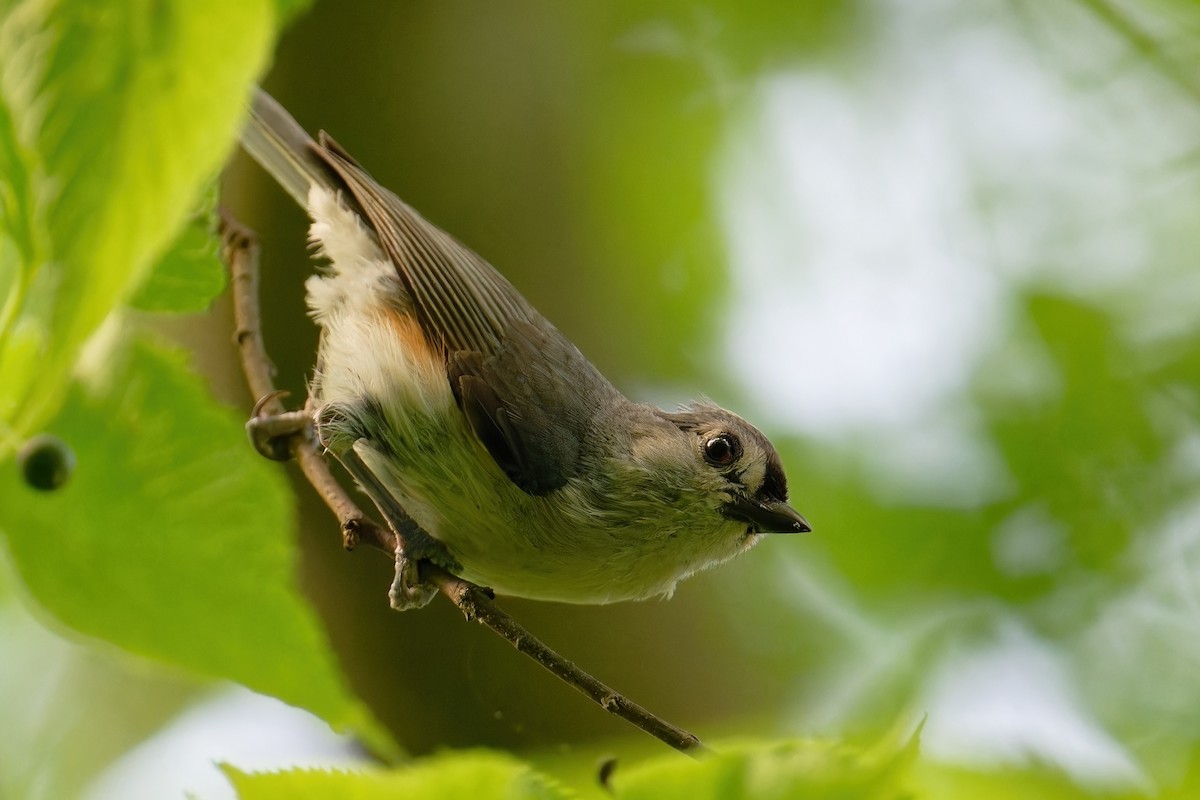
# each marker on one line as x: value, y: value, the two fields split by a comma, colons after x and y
x: 272, y: 433
x: 408, y: 589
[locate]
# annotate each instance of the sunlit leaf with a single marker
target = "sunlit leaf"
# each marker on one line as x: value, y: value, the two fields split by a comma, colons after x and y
x: 171, y: 539
x: 190, y: 274
x: 476, y: 774
x: 112, y: 115
x: 1029, y: 784
x: 810, y: 769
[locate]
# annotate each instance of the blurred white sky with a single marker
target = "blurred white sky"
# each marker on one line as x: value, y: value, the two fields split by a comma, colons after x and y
x: 880, y: 213
x: 233, y: 726
x: 1013, y: 700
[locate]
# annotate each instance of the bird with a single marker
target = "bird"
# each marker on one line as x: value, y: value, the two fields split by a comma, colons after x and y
x: 525, y: 469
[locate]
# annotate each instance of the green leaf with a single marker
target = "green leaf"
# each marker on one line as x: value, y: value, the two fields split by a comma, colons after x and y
x: 474, y: 774
x: 285, y: 10
x: 190, y: 274
x: 809, y: 769
x: 112, y: 116
x: 1028, y: 783
x: 1090, y: 447
x: 172, y: 539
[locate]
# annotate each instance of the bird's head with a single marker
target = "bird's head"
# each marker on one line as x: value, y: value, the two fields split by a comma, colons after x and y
x: 734, y: 463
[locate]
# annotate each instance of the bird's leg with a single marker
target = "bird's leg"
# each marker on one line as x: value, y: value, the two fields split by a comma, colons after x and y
x: 276, y: 433
x: 408, y: 590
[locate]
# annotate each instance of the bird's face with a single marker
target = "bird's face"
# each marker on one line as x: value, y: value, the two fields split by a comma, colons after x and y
x: 733, y: 463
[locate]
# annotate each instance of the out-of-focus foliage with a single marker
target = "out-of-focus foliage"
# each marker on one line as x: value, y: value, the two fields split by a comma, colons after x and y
x: 777, y: 770
x: 158, y: 542
x: 70, y: 710
x: 164, y: 538
x: 945, y: 254
x: 762, y: 770
x: 190, y: 274
x: 462, y: 774
x: 101, y: 159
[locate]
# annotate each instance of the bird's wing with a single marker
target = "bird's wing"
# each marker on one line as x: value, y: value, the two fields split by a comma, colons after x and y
x: 528, y: 394
x: 535, y: 404
x: 461, y: 301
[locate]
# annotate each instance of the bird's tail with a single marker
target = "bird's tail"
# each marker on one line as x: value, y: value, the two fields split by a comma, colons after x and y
x: 277, y: 142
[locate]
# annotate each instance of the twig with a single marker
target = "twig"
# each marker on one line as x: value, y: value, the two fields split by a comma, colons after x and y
x: 240, y: 251
x: 476, y: 603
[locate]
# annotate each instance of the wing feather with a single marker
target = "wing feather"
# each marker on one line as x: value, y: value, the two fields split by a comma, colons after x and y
x: 460, y: 299
x: 528, y: 394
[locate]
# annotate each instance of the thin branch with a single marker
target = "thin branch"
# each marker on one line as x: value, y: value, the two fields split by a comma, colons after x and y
x: 476, y: 603
x: 240, y: 251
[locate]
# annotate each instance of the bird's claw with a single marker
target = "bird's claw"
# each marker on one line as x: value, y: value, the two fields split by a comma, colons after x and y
x: 408, y: 591
x: 272, y: 433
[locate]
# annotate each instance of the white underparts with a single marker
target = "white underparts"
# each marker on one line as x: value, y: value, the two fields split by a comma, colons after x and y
x: 363, y: 308
x: 359, y: 276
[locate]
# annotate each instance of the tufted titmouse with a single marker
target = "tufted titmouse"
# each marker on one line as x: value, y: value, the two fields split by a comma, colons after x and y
x: 532, y: 474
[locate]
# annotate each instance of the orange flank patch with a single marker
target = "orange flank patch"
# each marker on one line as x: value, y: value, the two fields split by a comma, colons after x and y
x: 412, y: 337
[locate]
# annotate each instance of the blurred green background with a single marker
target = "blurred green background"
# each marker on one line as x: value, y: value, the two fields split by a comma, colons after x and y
x: 944, y: 254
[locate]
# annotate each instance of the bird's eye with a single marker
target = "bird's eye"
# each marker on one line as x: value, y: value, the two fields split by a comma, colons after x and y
x: 722, y: 450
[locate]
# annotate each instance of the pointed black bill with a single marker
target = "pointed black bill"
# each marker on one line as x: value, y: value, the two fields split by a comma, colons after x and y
x: 772, y: 516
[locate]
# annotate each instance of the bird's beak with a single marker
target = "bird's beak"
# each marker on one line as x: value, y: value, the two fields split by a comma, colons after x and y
x: 772, y: 516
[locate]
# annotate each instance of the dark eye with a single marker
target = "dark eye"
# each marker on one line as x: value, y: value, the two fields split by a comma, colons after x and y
x: 722, y: 450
